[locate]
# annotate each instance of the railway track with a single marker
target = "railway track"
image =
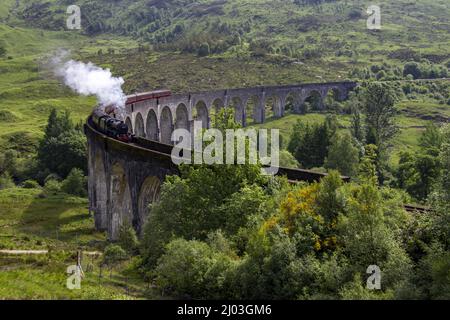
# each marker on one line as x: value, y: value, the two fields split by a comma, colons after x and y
x: 417, y: 209
x: 293, y: 175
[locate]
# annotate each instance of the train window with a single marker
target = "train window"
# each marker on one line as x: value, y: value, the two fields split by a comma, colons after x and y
x: 132, y: 107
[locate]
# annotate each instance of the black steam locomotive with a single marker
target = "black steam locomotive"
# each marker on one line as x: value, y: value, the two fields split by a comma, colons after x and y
x: 112, y: 127
x: 117, y: 129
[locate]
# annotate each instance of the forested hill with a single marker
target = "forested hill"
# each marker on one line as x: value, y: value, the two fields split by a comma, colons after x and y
x: 294, y: 28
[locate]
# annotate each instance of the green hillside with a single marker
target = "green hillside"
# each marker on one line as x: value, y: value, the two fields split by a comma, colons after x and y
x: 249, y: 43
x: 188, y: 45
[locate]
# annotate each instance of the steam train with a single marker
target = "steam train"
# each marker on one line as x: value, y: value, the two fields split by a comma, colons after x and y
x: 118, y: 129
x: 112, y: 127
x: 134, y: 98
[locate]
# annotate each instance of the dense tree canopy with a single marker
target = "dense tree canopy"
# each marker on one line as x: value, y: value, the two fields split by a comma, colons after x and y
x: 254, y: 238
x: 309, y: 143
x: 63, y: 146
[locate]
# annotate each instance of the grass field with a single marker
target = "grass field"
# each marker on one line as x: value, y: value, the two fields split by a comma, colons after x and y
x: 44, y: 278
x: 31, y: 222
x: 62, y: 225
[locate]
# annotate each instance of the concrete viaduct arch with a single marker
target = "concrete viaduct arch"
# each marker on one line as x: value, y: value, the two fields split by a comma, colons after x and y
x: 125, y: 179
x: 156, y: 119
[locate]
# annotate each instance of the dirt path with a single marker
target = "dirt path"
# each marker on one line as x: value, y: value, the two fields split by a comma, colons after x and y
x: 24, y: 252
x: 17, y: 252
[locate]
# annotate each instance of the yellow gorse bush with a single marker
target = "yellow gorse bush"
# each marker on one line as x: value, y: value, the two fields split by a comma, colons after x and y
x: 301, y: 202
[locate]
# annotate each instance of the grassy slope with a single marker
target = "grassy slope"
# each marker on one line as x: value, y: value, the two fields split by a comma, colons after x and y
x: 62, y: 224
x: 27, y: 222
x: 28, y: 90
x: 29, y: 95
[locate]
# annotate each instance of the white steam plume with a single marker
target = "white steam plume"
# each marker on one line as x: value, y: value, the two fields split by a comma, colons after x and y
x: 89, y: 79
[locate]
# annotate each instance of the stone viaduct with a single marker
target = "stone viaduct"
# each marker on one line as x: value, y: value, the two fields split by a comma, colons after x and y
x: 125, y: 179
x: 156, y: 119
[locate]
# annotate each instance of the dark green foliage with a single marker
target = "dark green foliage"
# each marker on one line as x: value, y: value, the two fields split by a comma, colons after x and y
x: 52, y: 187
x: 127, y: 238
x: 368, y: 240
x: 343, y: 155
x: 430, y: 279
x: 267, y: 274
x: 6, y: 181
x: 193, y: 270
x: 413, y: 69
x: 380, y: 114
x: 367, y: 223
x: 57, y: 124
x: 63, y: 147
x: 75, y: 183
x: 417, y: 173
x: 203, y: 199
x: 204, y: 50
x: 30, y: 184
x: 113, y: 254
x: 358, y: 129
x: 355, y: 13
x: 309, y: 143
x: 425, y: 70
x: 329, y: 202
x: 8, y: 162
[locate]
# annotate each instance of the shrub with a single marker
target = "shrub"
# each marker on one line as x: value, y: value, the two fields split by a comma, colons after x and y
x: 75, y: 183
x: 343, y: 155
x: 368, y: 239
x: 430, y: 279
x: 204, y: 50
x: 186, y: 210
x: 192, y: 269
x: 30, y: 184
x: 269, y: 272
x: 355, y: 290
x: 52, y: 187
x: 6, y: 181
x: 113, y: 254
x: 52, y: 176
x: 127, y: 237
x: 287, y: 160
x: 8, y: 162
x: 355, y: 13
x: 412, y: 68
